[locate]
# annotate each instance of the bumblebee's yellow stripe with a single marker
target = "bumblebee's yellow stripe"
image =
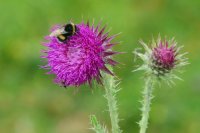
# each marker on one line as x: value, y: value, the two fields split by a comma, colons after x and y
x: 73, y: 28
x: 61, y: 37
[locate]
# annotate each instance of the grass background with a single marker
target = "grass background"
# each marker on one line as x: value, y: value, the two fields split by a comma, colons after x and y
x: 31, y: 103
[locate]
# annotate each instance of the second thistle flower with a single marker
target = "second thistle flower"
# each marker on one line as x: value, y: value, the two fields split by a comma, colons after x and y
x: 162, y: 58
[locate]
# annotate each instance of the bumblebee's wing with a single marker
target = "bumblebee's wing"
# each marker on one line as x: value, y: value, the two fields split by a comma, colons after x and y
x: 57, y: 32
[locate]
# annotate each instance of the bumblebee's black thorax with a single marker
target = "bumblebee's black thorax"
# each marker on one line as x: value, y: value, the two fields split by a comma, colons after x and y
x: 69, y: 29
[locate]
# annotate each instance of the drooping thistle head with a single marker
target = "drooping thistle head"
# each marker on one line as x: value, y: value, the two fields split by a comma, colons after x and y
x: 162, y: 58
x: 80, y: 58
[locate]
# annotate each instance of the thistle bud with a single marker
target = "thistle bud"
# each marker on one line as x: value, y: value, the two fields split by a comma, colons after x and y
x: 161, y: 58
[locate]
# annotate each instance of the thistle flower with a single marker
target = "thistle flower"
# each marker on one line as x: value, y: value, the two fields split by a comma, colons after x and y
x: 162, y: 58
x: 80, y: 58
x: 160, y: 62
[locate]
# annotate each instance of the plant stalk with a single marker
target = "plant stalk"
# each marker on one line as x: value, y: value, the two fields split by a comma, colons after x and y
x: 110, y: 93
x: 147, y: 96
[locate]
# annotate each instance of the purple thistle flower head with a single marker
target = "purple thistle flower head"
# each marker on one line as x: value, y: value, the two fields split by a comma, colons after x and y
x: 80, y: 58
x: 162, y: 58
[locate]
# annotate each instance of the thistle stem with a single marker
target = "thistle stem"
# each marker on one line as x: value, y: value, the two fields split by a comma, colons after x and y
x: 110, y: 92
x: 147, y: 96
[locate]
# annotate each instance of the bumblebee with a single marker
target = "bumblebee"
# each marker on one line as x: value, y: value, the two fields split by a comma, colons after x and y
x: 64, y: 32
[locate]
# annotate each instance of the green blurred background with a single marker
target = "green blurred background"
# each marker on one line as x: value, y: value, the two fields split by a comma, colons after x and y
x: 31, y: 103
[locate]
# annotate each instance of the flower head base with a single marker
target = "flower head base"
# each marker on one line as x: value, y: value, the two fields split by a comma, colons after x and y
x: 162, y: 58
x: 81, y: 57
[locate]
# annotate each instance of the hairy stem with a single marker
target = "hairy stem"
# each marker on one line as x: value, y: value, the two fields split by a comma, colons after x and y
x: 147, y: 96
x: 111, y: 90
x: 96, y: 126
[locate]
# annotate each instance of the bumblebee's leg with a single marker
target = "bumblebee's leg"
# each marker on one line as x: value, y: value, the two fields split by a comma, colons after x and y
x: 63, y: 85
